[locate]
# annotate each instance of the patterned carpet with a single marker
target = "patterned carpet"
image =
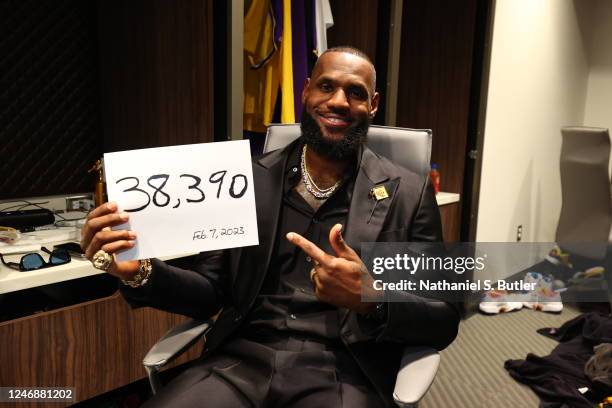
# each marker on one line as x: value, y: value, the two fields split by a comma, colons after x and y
x: 472, y: 370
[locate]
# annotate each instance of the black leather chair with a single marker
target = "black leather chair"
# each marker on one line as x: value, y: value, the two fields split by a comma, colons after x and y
x: 410, y: 148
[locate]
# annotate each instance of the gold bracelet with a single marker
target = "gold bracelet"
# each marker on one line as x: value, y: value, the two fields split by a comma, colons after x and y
x: 142, y: 276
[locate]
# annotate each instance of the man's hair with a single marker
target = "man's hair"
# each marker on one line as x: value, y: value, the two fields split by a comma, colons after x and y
x: 351, y: 50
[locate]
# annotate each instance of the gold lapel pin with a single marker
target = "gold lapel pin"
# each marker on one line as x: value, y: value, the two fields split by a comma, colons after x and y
x: 379, y: 193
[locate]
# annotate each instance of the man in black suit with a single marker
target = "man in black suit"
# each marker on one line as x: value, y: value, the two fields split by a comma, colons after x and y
x: 293, y: 330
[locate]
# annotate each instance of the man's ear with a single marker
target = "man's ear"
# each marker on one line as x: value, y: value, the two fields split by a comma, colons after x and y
x: 305, y: 90
x: 374, y: 103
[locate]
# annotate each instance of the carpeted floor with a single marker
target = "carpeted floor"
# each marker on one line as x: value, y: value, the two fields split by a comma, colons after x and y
x: 472, y: 370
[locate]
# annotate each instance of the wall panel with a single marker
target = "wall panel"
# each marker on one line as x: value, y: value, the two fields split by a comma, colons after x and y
x: 49, y: 97
x: 156, y: 59
x: 359, y: 30
x: 434, y: 81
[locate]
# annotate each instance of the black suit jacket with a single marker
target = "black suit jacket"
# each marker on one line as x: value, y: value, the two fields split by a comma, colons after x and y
x: 230, y: 280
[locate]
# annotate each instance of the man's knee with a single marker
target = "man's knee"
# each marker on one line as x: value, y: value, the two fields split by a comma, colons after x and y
x: 199, y: 386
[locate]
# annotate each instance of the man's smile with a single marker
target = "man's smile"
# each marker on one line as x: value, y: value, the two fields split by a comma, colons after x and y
x: 334, y: 121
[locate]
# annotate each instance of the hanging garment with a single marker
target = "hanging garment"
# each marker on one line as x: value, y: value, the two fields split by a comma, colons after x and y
x: 323, y: 21
x: 286, y: 61
x: 261, y: 64
x: 268, y: 65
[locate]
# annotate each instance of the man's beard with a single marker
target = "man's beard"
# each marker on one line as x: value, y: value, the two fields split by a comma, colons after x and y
x: 342, y: 149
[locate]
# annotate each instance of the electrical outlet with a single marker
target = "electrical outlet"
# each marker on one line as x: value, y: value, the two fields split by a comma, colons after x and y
x: 519, y: 233
x: 72, y: 204
x: 76, y: 203
x: 87, y: 204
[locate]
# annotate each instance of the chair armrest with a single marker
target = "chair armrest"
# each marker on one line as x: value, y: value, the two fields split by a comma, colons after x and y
x: 175, y: 342
x: 417, y: 372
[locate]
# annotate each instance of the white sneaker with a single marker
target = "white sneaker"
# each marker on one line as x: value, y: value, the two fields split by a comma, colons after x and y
x: 499, y: 301
x: 543, y: 297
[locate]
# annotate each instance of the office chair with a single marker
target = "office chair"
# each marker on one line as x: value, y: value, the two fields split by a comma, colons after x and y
x: 407, y: 147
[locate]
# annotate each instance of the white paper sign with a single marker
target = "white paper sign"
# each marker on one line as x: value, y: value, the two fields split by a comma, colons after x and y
x: 184, y: 199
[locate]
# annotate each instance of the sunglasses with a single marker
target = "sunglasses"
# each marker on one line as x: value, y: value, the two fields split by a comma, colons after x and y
x: 33, y: 261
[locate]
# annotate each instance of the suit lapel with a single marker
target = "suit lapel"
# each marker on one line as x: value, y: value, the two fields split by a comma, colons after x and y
x: 367, y: 214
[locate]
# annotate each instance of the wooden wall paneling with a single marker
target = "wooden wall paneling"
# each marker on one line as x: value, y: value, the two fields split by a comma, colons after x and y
x: 95, y: 346
x: 449, y: 214
x: 355, y: 24
x: 435, y: 66
x: 435, y: 78
x: 156, y: 68
x: 221, y: 52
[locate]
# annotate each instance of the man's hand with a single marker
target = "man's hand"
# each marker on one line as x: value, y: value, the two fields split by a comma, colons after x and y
x: 337, y: 279
x: 97, y: 234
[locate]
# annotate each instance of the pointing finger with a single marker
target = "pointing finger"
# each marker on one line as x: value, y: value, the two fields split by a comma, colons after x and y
x: 316, y: 253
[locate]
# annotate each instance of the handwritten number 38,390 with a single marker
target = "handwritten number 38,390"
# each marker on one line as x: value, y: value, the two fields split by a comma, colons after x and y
x: 164, y: 200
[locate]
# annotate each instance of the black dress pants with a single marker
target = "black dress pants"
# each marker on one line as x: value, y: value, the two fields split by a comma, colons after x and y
x: 283, y: 373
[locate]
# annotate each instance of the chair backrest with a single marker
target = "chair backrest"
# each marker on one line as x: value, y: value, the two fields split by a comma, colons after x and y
x: 410, y: 148
x: 585, y: 190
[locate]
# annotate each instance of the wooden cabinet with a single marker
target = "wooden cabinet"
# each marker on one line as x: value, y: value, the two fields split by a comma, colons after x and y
x: 95, y: 346
x: 450, y: 214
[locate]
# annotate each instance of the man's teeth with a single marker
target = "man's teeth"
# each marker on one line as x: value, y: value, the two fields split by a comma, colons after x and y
x: 336, y: 120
